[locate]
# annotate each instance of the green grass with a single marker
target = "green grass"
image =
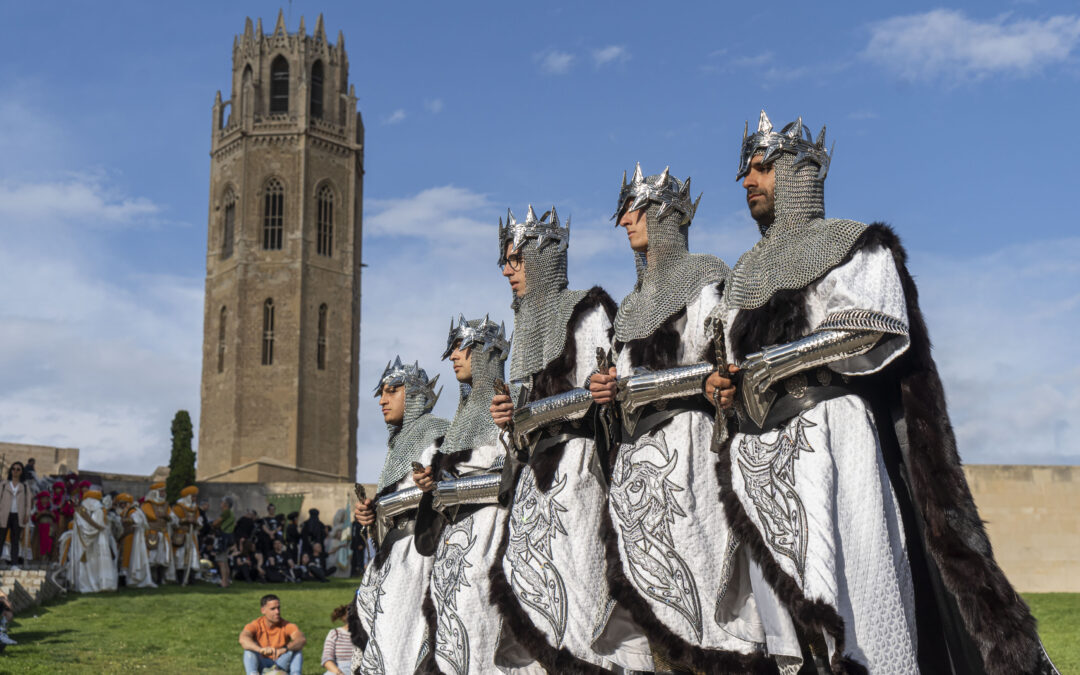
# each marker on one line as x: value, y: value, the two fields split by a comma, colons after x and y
x: 194, y: 630
x: 165, y: 630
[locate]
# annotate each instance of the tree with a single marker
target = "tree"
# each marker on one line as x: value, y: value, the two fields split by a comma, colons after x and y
x: 182, y: 460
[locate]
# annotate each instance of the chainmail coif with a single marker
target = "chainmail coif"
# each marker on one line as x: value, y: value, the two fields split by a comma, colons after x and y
x: 542, y: 316
x: 418, y: 430
x: 668, y: 277
x: 472, y: 426
x: 799, y: 247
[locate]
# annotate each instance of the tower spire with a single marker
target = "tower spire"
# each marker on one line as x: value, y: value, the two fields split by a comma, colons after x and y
x: 320, y: 30
x: 279, y: 27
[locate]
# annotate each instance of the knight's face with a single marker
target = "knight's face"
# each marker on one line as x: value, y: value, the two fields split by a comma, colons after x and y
x: 760, y: 185
x: 636, y: 229
x: 392, y: 402
x: 462, y: 360
x: 514, y: 270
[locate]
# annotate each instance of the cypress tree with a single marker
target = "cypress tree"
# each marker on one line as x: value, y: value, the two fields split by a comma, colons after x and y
x: 182, y: 459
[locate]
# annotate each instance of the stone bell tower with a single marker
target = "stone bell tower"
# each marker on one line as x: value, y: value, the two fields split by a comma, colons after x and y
x: 281, y: 327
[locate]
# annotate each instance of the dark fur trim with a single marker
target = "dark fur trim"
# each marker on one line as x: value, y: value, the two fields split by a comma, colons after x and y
x: 555, y: 378
x: 661, y: 638
x: 544, y: 465
x: 993, y: 612
x: 812, y: 616
x: 429, y: 666
x: 449, y: 461
x: 780, y: 320
x: 357, y: 633
x: 514, y: 617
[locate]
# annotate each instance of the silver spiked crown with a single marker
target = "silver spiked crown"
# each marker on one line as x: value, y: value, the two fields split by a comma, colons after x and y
x: 544, y: 229
x: 413, y: 377
x: 664, y: 189
x: 487, y: 334
x: 793, y: 138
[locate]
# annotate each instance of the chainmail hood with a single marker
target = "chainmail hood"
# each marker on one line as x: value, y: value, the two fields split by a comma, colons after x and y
x: 801, y: 244
x: 542, y: 316
x: 418, y: 428
x: 472, y: 426
x: 668, y: 276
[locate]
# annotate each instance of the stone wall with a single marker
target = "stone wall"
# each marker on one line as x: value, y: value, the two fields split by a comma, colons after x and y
x: 1032, y: 514
x: 49, y: 461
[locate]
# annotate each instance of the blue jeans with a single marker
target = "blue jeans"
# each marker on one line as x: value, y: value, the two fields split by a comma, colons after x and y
x: 290, y: 662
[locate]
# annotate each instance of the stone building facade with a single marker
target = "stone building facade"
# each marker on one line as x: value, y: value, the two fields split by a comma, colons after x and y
x: 281, y: 327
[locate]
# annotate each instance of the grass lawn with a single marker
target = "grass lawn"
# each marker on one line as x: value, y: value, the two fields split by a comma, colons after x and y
x: 194, y: 630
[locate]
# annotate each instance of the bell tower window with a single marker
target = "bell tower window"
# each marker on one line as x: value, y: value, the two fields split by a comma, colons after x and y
x: 320, y: 352
x: 268, y: 333
x: 279, y: 86
x: 317, y: 90
x: 273, y: 215
x: 324, y: 221
x: 221, y: 342
x: 228, y: 226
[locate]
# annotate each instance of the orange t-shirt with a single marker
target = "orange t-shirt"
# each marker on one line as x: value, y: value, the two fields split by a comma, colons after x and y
x: 271, y: 636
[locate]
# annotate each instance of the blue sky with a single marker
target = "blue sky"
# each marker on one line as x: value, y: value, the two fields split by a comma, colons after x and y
x: 954, y: 123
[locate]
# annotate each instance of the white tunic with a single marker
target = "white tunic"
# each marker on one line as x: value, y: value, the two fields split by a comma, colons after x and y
x: 95, y: 566
x: 138, y: 569
x: 554, y: 560
x: 467, y: 626
x: 672, y: 534
x: 819, y: 493
x: 389, y: 601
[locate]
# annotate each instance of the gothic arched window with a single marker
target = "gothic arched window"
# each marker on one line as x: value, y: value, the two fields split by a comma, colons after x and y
x: 221, y: 342
x: 273, y: 214
x: 268, y: 333
x: 320, y: 352
x: 317, y: 90
x: 228, y: 225
x: 324, y: 221
x: 279, y: 86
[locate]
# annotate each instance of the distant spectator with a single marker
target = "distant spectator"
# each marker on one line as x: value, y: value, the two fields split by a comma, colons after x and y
x: 277, y: 568
x: 6, y: 615
x: 314, y: 530
x: 292, y: 534
x: 271, y: 641
x: 223, y: 529
x: 15, y: 502
x: 318, y: 559
x: 30, y: 472
x: 245, y: 525
x: 338, y: 647
x: 242, y: 561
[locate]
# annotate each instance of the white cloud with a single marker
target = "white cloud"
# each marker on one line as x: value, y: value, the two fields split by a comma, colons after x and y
x: 89, y: 360
x: 395, y: 117
x: 435, y: 213
x: 610, y: 54
x: 946, y: 44
x: 434, y: 106
x: 554, y: 62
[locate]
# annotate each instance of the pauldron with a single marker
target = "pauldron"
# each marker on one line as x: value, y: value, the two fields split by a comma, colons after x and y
x: 655, y: 387
x: 840, y: 336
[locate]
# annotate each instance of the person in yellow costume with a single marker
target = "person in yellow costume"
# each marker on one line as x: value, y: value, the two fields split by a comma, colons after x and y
x: 158, y: 533
x: 184, y: 538
x: 134, y: 559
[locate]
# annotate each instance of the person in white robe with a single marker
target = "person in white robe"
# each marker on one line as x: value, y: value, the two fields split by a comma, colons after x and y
x: 842, y: 476
x: 551, y: 561
x: 95, y: 566
x: 388, y: 628
x: 134, y: 560
x: 159, y: 532
x: 469, y: 461
x: 673, y: 562
x: 185, y: 534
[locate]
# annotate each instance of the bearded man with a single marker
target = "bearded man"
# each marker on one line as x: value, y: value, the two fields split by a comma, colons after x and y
x: 470, y: 462
x: 842, y: 477
x: 385, y: 624
x: 671, y: 559
x: 550, y: 561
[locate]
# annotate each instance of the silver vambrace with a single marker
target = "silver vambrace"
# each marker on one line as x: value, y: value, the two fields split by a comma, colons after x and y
x: 394, y: 504
x: 840, y: 336
x: 569, y: 406
x: 638, y: 391
x: 476, y: 489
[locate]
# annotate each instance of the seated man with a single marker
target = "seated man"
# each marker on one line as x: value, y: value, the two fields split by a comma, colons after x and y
x: 271, y: 641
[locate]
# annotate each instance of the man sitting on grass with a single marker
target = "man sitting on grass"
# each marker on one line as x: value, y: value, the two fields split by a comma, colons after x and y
x: 271, y: 642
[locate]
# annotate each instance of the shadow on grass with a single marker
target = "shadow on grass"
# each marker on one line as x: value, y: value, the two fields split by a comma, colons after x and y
x: 42, y: 637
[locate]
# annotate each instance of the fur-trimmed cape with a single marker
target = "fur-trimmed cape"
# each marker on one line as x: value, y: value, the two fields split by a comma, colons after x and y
x: 961, y: 593
x: 555, y: 378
